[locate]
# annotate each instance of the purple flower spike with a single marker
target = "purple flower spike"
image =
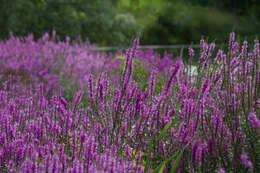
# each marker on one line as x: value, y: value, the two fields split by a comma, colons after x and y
x: 128, y: 151
x: 255, y: 123
x: 231, y: 39
x: 221, y: 170
x: 175, y: 70
x: 191, y: 52
x: 245, y: 161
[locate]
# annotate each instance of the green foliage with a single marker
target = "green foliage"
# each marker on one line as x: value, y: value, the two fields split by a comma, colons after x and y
x: 124, y: 29
x: 39, y: 160
x: 257, y: 155
x: 152, y: 143
x: 96, y: 20
x: 188, y: 23
x: 69, y: 88
x: 159, y: 83
x: 176, y: 162
x: 140, y: 73
x: 118, y: 22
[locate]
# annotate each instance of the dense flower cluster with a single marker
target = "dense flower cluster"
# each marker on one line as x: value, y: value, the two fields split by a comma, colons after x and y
x: 109, y: 124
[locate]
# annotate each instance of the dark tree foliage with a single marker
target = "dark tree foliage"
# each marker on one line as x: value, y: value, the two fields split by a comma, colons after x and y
x: 94, y: 20
x: 186, y: 21
x: 112, y: 22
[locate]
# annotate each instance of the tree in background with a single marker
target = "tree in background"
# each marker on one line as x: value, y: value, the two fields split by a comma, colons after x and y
x: 117, y: 22
x: 186, y: 21
x: 96, y: 20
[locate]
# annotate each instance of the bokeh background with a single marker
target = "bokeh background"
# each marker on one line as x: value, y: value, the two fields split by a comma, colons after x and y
x: 118, y: 22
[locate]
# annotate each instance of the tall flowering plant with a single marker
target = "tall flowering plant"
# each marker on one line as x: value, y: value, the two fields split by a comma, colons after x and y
x: 208, y: 122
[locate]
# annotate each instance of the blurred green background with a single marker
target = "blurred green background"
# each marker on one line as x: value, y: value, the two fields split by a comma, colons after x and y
x: 118, y: 22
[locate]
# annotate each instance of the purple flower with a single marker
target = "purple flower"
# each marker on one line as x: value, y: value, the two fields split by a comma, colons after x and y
x: 258, y: 103
x: 175, y: 70
x: 77, y: 97
x: 191, y: 52
x: 245, y: 161
x: 210, y: 146
x: 255, y: 123
x: 135, y: 46
x: 221, y: 170
x: 218, y: 56
x: 128, y: 151
x: 152, y: 83
x: 162, y: 147
x: 249, y: 164
x: 244, y: 158
x: 82, y: 138
x: 256, y: 49
x: 64, y: 102
x: 244, y: 49
x: 195, y: 147
x: 205, y: 86
x: 61, y: 149
x: 231, y: 39
x: 3, y: 139
x: 212, y: 47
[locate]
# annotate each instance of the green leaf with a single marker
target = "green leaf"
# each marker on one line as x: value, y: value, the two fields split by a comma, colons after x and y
x: 176, y: 162
x: 119, y: 57
x: 169, y: 160
x: 135, y: 3
x: 199, y: 168
x: 38, y: 160
x: 162, y: 168
x: 148, y: 155
x: 164, y: 163
x: 165, y: 129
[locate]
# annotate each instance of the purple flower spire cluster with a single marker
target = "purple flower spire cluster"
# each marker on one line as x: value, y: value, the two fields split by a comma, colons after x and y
x: 63, y: 109
x: 245, y: 161
x: 255, y: 123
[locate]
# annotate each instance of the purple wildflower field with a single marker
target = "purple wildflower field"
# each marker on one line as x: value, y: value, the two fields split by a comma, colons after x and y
x: 65, y: 107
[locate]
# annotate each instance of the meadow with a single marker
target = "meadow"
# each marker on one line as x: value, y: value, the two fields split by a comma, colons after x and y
x: 67, y: 108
